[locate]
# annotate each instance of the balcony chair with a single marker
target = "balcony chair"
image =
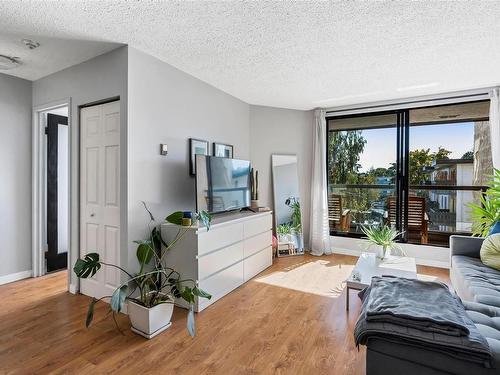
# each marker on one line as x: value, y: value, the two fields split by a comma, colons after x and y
x: 339, y: 218
x: 418, y: 222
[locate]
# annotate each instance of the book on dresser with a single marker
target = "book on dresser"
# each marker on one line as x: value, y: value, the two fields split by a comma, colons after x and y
x: 237, y: 247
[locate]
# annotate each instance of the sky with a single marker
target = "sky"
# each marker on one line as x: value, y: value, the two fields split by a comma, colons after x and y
x: 380, y: 148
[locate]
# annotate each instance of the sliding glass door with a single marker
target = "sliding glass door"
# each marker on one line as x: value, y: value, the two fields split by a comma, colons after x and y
x: 413, y: 169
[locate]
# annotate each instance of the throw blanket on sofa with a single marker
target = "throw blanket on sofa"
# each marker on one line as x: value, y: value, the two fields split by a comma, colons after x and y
x: 428, y: 306
x: 389, y: 322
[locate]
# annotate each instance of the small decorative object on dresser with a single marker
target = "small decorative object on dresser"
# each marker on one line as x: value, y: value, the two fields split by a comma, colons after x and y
x: 196, y: 147
x: 254, y: 185
x: 223, y: 151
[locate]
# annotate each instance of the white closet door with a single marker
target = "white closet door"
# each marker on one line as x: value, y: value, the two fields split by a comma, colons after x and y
x: 100, y: 194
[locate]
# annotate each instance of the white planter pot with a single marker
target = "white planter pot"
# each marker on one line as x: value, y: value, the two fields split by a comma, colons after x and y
x: 379, y: 251
x: 150, y: 322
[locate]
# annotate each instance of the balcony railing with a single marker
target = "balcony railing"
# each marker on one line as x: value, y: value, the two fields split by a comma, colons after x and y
x: 446, y: 209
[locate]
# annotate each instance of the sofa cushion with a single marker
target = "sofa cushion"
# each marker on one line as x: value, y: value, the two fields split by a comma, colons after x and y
x: 487, y: 320
x: 490, y: 251
x: 474, y: 281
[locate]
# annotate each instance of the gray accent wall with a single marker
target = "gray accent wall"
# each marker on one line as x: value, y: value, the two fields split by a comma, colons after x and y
x: 15, y: 175
x: 170, y: 106
x: 100, y: 78
x: 282, y: 131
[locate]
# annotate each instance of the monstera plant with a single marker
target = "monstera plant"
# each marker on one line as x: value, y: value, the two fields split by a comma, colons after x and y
x: 154, y: 287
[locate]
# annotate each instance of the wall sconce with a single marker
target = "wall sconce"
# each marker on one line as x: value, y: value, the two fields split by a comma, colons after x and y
x: 163, y: 149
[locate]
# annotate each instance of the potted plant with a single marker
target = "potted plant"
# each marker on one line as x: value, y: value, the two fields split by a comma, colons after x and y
x: 254, y: 188
x: 487, y: 214
x: 283, y: 231
x: 383, y: 238
x: 151, y: 291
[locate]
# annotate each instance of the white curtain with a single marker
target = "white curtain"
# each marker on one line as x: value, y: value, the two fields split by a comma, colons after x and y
x: 319, y: 234
x: 495, y: 127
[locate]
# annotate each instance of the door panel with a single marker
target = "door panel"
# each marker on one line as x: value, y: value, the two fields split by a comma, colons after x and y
x: 100, y: 193
x: 56, y: 254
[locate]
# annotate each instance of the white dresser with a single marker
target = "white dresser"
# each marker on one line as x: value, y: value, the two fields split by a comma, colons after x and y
x: 236, y: 248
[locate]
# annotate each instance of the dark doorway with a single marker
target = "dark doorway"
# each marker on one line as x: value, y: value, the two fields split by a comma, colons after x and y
x: 57, y: 258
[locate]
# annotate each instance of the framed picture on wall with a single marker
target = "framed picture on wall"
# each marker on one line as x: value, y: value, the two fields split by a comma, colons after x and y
x: 196, y: 147
x: 223, y: 151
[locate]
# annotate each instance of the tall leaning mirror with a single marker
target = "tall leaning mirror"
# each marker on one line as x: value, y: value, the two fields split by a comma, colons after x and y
x: 287, y: 210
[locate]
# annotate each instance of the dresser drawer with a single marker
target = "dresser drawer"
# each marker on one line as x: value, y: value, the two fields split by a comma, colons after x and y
x: 256, y: 243
x: 210, y: 263
x: 257, y: 263
x: 219, y: 237
x: 258, y: 225
x: 222, y: 283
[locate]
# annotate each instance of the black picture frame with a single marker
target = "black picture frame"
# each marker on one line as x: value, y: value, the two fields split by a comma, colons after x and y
x: 195, y: 145
x: 223, y: 150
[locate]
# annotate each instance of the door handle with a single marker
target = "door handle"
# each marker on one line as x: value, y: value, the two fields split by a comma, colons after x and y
x: 92, y: 215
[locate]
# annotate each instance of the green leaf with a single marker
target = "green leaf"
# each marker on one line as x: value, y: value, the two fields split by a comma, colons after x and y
x: 88, y: 266
x: 157, y: 240
x: 187, y: 295
x: 191, y: 327
x: 90, y: 312
x: 175, y: 218
x: 144, y: 253
x: 201, y: 293
x: 205, y: 218
x: 118, y: 298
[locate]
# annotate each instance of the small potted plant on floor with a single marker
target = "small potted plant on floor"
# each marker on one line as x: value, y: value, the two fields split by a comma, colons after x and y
x: 383, y: 238
x: 151, y: 291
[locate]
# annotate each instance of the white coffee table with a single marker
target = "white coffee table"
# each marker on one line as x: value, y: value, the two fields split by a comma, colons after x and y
x: 368, y: 265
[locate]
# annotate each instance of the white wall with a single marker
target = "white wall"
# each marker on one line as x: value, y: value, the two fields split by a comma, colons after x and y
x: 100, y: 78
x: 282, y: 131
x: 168, y: 106
x: 15, y: 175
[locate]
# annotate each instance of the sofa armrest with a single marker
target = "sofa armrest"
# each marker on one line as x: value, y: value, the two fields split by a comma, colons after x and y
x: 465, y: 245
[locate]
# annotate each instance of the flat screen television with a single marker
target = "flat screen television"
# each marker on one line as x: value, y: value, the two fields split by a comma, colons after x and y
x: 222, y: 184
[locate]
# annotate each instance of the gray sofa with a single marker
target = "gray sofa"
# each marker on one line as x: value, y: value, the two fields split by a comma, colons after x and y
x: 479, y: 288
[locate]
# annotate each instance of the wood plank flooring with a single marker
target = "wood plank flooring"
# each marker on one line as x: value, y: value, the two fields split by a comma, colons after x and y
x: 257, y: 329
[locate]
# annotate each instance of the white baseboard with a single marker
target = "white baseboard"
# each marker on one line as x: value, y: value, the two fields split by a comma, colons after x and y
x: 418, y: 261
x: 72, y: 288
x: 15, y: 277
x: 424, y: 255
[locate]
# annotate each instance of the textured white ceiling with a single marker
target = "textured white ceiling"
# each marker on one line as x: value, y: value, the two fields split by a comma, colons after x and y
x: 289, y: 54
x: 54, y: 54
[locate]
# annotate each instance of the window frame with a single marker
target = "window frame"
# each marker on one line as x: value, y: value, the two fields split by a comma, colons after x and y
x: 401, y: 186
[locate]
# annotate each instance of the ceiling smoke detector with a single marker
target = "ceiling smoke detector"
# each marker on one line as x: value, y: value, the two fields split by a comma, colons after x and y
x: 7, y: 62
x: 31, y: 44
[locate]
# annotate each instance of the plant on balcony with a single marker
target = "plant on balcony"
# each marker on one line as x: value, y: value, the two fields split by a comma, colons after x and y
x: 487, y: 213
x: 384, y: 238
x: 154, y: 287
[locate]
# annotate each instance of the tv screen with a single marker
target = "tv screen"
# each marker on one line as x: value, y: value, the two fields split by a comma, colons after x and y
x: 222, y: 184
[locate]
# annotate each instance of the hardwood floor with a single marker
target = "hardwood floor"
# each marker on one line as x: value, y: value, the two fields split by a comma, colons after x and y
x: 257, y: 329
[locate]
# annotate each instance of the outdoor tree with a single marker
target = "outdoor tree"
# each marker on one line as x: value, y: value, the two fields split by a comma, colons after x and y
x: 344, y: 151
x: 422, y: 158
